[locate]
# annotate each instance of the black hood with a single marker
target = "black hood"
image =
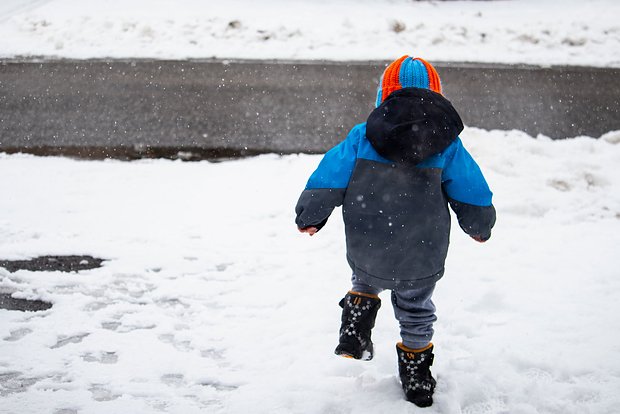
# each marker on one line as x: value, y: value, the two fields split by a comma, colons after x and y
x: 413, y: 124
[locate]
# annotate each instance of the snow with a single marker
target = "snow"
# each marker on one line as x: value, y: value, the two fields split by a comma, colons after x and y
x: 210, y: 301
x: 540, y: 32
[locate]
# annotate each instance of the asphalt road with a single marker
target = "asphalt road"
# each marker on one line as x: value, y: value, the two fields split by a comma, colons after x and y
x: 201, y: 109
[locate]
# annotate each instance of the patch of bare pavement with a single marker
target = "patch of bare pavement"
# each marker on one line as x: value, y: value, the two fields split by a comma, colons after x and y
x: 42, y: 264
x: 53, y: 263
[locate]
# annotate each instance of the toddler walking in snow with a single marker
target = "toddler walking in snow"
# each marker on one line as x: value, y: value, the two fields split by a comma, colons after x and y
x: 395, y: 176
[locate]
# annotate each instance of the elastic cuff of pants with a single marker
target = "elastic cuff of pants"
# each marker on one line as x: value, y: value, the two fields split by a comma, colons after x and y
x: 415, y: 346
x: 366, y: 295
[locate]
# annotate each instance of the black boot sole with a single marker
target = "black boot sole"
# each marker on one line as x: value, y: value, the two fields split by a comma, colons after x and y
x: 346, y: 351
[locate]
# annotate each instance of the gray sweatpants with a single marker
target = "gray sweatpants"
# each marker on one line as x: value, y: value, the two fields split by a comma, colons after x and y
x: 414, y: 310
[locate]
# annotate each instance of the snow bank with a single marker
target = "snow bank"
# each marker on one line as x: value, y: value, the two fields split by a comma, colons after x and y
x: 575, y: 32
x: 210, y: 301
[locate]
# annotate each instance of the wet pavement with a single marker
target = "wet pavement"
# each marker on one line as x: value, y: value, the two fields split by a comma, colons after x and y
x: 24, y: 305
x: 53, y: 263
x: 220, y: 109
x: 42, y: 264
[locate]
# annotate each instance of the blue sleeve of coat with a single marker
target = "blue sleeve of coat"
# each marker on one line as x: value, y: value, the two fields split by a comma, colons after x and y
x: 326, y: 187
x: 468, y: 192
x: 336, y: 167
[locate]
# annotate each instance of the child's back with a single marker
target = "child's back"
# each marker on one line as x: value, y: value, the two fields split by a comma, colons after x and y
x: 395, y: 176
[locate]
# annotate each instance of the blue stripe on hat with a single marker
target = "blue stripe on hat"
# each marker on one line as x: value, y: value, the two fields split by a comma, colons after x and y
x: 413, y: 74
x: 379, y: 92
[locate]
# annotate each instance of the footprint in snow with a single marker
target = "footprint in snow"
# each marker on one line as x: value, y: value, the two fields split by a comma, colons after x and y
x: 171, y: 303
x: 173, y: 379
x: 103, y: 357
x: 180, y: 345
x: 222, y: 267
x: 13, y: 382
x: 95, y: 306
x: 132, y: 286
x: 66, y: 340
x: 101, y: 393
x: 218, y: 386
x: 17, y: 334
x: 212, y: 353
x: 110, y: 325
x: 130, y: 328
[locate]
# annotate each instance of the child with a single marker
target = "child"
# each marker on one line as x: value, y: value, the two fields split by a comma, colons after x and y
x: 395, y: 175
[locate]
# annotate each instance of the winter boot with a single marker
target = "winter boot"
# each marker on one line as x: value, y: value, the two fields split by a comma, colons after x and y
x: 359, y: 311
x: 414, y: 367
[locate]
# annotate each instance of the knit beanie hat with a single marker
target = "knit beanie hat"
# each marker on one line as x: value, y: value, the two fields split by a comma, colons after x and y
x: 407, y: 72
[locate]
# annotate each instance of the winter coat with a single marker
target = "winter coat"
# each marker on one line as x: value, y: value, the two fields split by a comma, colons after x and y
x: 394, y: 176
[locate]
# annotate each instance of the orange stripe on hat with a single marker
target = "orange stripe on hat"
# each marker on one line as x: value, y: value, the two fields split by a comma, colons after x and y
x: 433, y: 76
x: 390, y: 82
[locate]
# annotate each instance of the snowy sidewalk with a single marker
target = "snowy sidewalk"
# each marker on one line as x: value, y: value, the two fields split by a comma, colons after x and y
x: 211, y: 302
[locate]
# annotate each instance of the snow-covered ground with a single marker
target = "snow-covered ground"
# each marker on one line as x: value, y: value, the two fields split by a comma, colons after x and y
x: 210, y: 301
x: 575, y: 32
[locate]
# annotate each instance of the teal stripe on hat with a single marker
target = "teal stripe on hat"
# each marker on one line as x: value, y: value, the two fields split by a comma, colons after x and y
x: 379, y: 96
x: 413, y: 74
x: 379, y: 92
